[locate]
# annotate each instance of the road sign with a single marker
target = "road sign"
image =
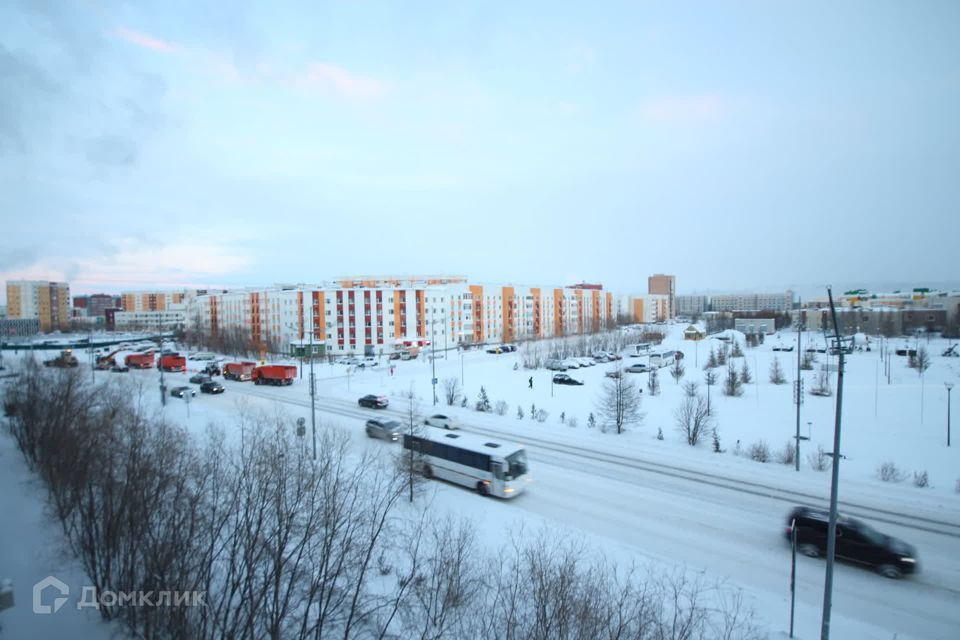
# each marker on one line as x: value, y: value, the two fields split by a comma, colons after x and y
x: 434, y: 381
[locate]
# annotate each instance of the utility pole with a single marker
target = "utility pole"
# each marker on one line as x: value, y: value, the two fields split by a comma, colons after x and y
x: 433, y: 358
x: 799, y: 385
x: 313, y: 386
x: 163, y: 389
x: 834, y: 481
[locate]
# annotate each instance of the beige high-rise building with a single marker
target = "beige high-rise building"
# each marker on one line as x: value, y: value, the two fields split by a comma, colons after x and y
x: 667, y: 286
x: 48, y: 302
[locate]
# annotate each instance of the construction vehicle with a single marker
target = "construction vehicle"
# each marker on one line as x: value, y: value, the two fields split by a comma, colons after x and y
x: 65, y: 359
x: 275, y: 374
x: 107, y: 361
x: 239, y: 371
x: 139, y: 360
x: 172, y: 362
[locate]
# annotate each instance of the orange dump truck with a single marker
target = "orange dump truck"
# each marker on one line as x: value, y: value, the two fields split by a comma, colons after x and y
x: 172, y: 363
x: 275, y: 374
x: 140, y: 360
x: 239, y: 371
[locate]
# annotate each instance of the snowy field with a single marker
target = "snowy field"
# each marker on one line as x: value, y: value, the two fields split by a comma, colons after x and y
x: 637, y: 498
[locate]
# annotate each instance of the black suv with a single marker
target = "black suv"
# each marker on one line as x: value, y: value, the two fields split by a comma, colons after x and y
x: 856, y: 542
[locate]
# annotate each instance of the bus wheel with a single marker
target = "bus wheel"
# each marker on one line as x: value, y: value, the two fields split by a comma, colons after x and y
x: 483, y: 489
x: 427, y: 471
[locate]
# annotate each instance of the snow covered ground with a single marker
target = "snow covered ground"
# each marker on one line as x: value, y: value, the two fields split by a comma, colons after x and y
x: 639, y: 498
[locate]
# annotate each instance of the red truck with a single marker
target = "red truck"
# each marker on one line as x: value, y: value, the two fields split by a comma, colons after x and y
x: 172, y: 362
x: 275, y: 374
x: 239, y: 370
x: 139, y: 360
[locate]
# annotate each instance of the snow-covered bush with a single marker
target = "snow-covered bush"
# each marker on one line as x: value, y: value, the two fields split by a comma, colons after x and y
x: 921, y: 479
x: 519, y: 412
x: 501, y: 407
x: 787, y: 455
x: 888, y: 472
x: 542, y: 415
x: 572, y: 422
x: 759, y: 451
x: 819, y: 460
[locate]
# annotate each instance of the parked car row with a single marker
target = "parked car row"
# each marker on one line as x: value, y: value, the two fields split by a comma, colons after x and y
x: 502, y: 348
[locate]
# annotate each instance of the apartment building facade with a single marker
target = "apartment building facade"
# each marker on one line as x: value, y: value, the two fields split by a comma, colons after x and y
x: 48, y: 302
x: 152, y: 300
x: 374, y: 315
x: 661, y: 284
x: 690, y: 306
x: 777, y: 302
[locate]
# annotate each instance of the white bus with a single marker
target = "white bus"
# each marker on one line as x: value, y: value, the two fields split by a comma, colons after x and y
x: 491, y: 468
x: 664, y: 359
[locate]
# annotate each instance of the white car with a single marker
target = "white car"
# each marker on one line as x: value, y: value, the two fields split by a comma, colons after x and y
x: 442, y: 421
x: 369, y: 361
x: 585, y: 362
x: 570, y: 363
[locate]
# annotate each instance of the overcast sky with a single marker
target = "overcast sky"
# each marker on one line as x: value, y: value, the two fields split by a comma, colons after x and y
x: 737, y: 145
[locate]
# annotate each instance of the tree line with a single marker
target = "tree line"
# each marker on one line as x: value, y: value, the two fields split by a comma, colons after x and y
x: 285, y: 546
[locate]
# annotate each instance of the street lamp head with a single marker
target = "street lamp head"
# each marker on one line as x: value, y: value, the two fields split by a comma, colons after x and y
x: 948, y: 385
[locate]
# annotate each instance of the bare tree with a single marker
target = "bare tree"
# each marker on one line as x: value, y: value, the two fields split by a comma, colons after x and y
x: 922, y: 360
x: 451, y: 390
x: 692, y: 419
x: 653, y: 382
x: 619, y: 403
x: 690, y: 388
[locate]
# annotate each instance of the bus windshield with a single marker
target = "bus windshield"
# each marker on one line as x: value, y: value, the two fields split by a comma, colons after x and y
x: 516, y: 465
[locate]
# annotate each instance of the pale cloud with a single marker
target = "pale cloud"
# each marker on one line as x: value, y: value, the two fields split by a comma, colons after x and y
x: 688, y: 109
x: 132, y: 263
x: 145, y: 41
x: 336, y: 79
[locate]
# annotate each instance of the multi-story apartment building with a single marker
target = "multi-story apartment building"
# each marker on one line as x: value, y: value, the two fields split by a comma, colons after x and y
x: 94, y: 305
x: 170, y: 319
x: 48, y: 302
x: 367, y: 315
x: 778, y: 302
x: 661, y: 284
x: 153, y: 300
x: 691, y: 306
x: 649, y: 308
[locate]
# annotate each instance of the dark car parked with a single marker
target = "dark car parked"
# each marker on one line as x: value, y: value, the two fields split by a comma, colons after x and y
x: 199, y: 378
x: 856, y: 542
x: 179, y: 392
x: 211, y: 387
x: 386, y: 429
x: 562, y: 378
x: 373, y: 402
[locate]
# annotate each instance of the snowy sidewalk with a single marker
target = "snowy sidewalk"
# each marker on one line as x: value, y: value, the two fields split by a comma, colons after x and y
x: 31, y: 549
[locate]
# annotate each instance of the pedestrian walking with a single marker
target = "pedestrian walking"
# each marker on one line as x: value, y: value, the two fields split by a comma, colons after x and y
x: 530, y: 383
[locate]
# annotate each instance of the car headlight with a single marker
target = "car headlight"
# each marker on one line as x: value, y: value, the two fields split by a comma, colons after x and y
x: 907, y: 559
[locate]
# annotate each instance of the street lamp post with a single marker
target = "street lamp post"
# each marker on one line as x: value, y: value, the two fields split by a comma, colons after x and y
x: 313, y: 386
x: 949, y: 386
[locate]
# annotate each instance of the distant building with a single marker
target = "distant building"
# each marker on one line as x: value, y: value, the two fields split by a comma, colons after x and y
x: 749, y: 326
x: 93, y: 306
x: 19, y: 327
x: 380, y: 314
x: 48, y: 302
x: 153, y: 300
x: 661, y: 284
x: 691, y: 306
x: 171, y: 319
x: 644, y: 309
x: 777, y: 302
x: 693, y: 332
